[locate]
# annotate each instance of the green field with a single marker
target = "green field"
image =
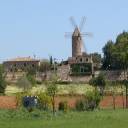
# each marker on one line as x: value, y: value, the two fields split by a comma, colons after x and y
x: 96, y: 119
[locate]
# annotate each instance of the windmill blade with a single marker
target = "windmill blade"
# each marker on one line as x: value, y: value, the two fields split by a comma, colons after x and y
x: 84, y: 49
x: 73, y: 22
x: 68, y: 35
x: 82, y: 23
x: 87, y: 34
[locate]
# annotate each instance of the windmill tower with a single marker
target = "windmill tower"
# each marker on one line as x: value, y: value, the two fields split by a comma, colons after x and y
x: 80, y: 63
x: 76, y: 43
x: 78, y: 46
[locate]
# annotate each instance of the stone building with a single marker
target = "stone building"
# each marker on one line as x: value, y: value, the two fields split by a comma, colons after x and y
x: 79, y: 67
x: 20, y: 64
x: 80, y: 63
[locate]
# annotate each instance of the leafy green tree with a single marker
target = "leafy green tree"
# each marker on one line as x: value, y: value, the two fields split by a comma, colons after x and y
x: 52, y: 90
x: 31, y: 79
x: 96, y: 57
x: 99, y: 82
x: 31, y: 75
x: 108, y: 50
x: 116, y: 54
x: 2, y: 80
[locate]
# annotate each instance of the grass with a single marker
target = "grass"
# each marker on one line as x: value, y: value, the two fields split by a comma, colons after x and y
x: 96, y: 119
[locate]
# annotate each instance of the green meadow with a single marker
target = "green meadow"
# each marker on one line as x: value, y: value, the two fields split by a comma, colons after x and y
x: 96, y: 119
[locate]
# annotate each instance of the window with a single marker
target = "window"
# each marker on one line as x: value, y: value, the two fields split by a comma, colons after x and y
x: 80, y: 59
x: 86, y: 59
x: 82, y: 69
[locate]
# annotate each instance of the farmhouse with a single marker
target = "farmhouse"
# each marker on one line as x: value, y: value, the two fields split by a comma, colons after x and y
x: 20, y: 64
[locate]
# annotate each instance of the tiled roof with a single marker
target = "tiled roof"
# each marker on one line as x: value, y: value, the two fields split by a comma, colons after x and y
x: 23, y: 59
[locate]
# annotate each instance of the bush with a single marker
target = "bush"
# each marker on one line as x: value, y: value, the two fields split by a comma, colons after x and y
x: 80, y: 105
x: 20, y: 96
x: 63, y: 106
x: 44, y: 101
x: 39, y: 82
x: 31, y: 79
x: 92, y: 100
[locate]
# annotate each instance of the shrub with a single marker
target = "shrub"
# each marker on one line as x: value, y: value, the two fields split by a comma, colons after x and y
x: 63, y: 106
x: 92, y: 100
x: 80, y: 105
x: 31, y: 79
x: 44, y: 101
x: 38, y: 82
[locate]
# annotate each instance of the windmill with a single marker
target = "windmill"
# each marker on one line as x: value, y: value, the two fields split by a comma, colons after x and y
x: 78, y: 46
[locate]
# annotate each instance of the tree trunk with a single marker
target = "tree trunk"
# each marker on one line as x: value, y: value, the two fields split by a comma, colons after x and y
x: 53, y: 105
x: 113, y: 95
x: 126, y: 96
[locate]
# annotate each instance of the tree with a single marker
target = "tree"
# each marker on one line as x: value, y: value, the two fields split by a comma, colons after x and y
x: 108, y: 50
x: 116, y: 54
x: 99, y: 82
x: 24, y: 83
x: 31, y: 75
x: 2, y: 80
x: 44, y: 66
x: 51, y: 60
x: 52, y: 90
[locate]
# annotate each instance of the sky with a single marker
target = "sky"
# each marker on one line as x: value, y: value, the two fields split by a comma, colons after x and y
x: 37, y: 27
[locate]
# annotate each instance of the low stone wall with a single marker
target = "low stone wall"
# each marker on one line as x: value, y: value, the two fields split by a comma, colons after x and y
x: 9, y: 102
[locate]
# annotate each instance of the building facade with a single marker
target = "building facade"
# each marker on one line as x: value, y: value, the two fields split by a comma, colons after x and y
x: 20, y: 64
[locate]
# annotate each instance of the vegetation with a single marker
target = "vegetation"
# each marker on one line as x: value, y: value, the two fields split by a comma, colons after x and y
x: 63, y: 106
x: 99, y: 81
x: 116, y: 54
x: 44, y: 101
x: 52, y: 91
x: 2, y: 80
x: 24, y: 83
x: 39, y: 119
x: 91, y: 101
x: 45, y: 66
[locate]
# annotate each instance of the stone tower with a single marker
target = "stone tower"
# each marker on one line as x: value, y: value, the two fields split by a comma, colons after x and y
x: 76, y: 43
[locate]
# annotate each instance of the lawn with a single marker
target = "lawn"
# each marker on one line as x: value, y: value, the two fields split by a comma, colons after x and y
x: 96, y: 119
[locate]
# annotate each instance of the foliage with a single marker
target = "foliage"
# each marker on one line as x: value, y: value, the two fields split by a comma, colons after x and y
x: 2, y: 80
x: 63, y: 106
x: 44, y: 66
x: 51, y: 60
x: 116, y: 54
x: 92, y: 100
x: 19, y: 97
x: 96, y: 58
x: 31, y: 79
x: 24, y: 83
x: 80, y: 105
x: 52, y: 90
x: 76, y: 69
x: 99, y: 81
x: 44, y: 101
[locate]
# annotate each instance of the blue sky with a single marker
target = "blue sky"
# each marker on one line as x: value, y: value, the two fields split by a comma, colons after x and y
x: 29, y: 27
